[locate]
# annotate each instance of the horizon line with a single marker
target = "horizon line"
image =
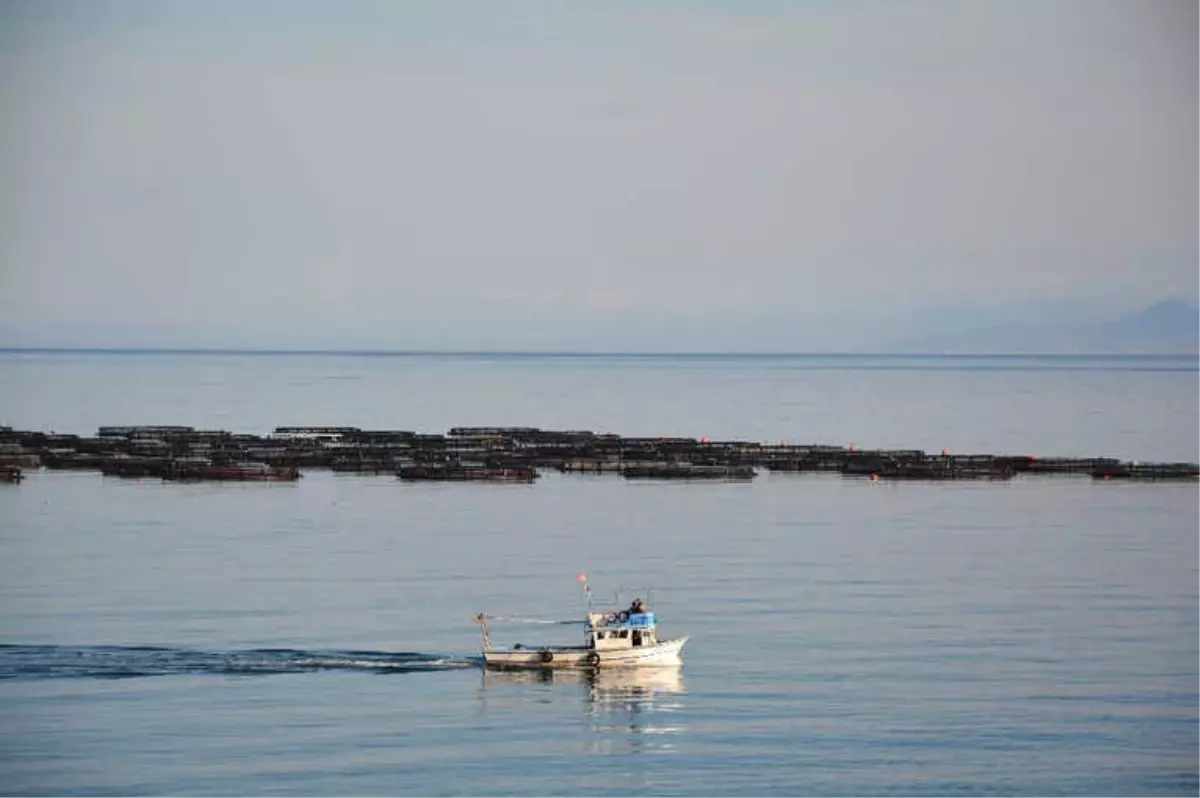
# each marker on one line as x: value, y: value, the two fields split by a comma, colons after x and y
x: 580, y: 354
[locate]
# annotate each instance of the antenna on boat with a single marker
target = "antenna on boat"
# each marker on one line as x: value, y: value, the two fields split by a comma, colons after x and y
x: 587, y: 589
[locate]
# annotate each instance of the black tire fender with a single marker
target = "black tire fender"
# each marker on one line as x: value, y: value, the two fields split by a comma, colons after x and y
x: 547, y: 656
x: 593, y: 659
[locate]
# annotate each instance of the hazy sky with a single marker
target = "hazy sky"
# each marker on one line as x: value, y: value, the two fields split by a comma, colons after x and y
x: 549, y: 174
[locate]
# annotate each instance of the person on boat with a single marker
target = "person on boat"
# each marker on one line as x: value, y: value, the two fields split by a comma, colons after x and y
x: 637, y: 607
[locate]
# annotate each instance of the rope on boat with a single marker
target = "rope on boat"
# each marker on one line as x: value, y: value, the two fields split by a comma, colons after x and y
x: 519, y: 619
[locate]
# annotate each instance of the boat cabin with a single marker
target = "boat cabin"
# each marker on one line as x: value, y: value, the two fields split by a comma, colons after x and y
x: 611, y: 631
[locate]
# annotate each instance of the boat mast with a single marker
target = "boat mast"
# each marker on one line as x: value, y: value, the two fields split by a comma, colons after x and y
x: 481, y: 619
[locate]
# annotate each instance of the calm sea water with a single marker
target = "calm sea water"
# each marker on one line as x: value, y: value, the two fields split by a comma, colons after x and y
x: 1032, y: 637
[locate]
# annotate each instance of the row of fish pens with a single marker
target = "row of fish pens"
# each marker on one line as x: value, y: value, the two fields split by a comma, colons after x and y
x: 506, y: 454
x: 917, y: 464
x: 164, y: 452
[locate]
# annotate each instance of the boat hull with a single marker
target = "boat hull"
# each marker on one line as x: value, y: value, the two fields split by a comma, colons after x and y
x: 666, y: 653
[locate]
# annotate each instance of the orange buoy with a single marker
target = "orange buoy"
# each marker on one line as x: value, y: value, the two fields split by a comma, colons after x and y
x: 944, y: 452
x: 874, y: 477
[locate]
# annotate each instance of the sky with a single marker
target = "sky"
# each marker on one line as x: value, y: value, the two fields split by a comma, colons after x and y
x: 619, y: 175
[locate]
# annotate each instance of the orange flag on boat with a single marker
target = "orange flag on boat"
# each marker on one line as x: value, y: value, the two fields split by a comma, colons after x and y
x: 581, y: 578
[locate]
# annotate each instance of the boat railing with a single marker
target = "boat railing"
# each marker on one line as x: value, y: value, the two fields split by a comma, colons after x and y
x: 625, y: 620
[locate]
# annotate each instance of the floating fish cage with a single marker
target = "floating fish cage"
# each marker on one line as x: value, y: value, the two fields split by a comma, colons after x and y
x: 514, y: 454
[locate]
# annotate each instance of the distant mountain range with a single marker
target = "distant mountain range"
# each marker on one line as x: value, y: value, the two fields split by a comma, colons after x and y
x: 1171, y: 326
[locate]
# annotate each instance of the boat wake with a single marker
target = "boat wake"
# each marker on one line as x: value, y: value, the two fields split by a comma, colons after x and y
x: 127, y: 662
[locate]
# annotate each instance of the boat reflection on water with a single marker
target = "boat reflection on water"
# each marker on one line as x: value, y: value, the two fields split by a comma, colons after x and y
x: 621, y: 687
x: 631, y: 708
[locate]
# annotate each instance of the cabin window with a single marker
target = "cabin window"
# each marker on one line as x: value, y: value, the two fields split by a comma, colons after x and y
x: 637, y: 638
x: 601, y: 635
x: 624, y: 633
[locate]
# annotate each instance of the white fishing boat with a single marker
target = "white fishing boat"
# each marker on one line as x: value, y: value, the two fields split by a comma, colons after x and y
x: 621, y: 639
